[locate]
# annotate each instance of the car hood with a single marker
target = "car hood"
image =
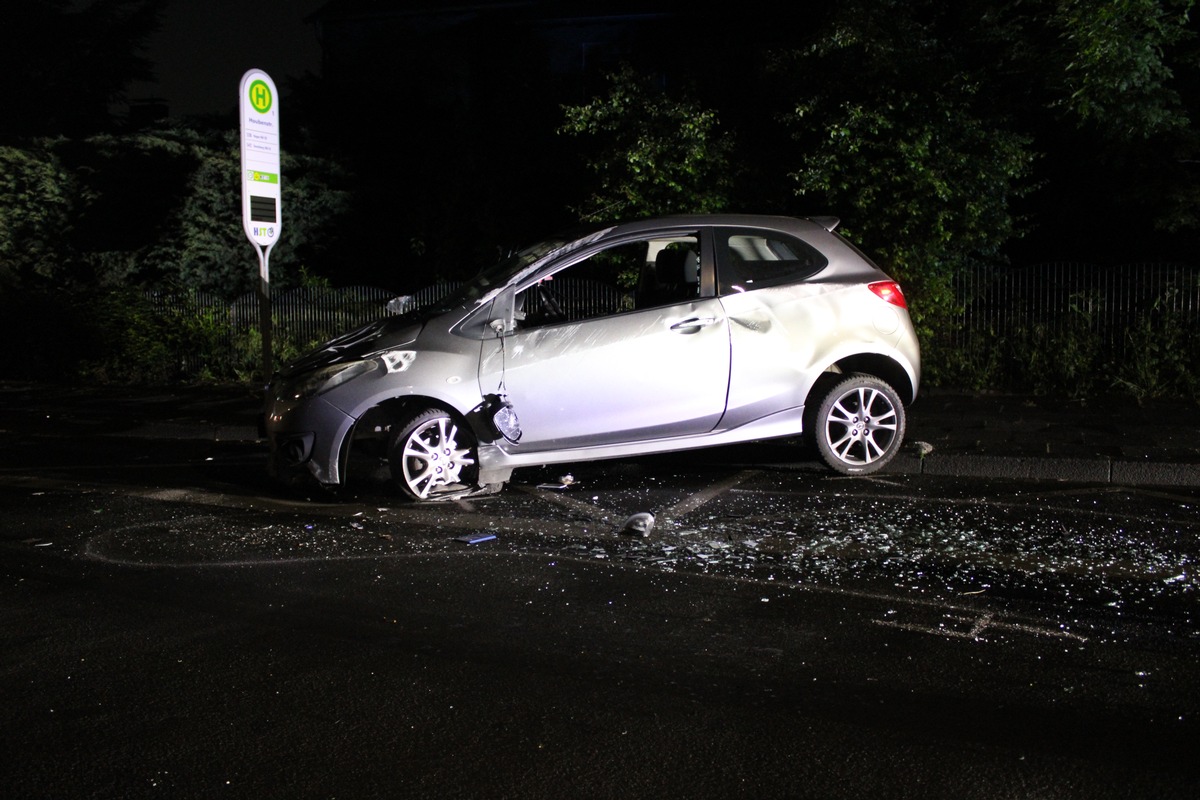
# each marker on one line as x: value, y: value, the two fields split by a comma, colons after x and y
x: 374, y: 337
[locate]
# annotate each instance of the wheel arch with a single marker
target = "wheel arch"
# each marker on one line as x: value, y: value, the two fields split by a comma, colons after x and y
x: 374, y: 424
x: 878, y: 365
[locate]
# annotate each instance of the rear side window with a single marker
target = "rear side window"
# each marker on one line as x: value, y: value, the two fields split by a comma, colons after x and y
x: 749, y: 260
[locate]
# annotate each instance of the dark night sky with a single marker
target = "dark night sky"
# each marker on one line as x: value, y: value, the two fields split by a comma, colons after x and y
x: 205, y: 46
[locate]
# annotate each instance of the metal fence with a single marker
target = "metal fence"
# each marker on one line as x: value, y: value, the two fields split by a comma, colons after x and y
x: 300, y: 317
x: 1049, y: 300
x: 310, y: 315
x: 1056, y: 299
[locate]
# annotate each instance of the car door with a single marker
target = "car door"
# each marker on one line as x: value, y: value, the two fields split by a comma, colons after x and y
x: 616, y: 346
x: 781, y: 321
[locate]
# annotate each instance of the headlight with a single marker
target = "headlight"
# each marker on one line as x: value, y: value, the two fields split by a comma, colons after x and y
x: 330, y: 377
x: 503, y: 419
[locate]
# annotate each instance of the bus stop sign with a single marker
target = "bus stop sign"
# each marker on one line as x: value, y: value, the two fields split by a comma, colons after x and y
x: 262, y: 213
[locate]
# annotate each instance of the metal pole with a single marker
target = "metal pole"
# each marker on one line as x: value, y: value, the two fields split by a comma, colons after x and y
x: 264, y: 313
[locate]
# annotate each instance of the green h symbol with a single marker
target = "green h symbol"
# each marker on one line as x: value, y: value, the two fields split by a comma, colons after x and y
x: 260, y: 96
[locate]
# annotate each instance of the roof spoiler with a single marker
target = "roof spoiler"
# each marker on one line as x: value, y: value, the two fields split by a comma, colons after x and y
x: 828, y: 223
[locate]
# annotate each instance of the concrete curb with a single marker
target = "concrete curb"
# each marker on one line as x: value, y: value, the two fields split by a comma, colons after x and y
x: 1155, y: 473
x: 1094, y: 469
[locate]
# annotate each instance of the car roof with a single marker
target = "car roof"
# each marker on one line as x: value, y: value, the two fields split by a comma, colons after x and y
x: 777, y: 222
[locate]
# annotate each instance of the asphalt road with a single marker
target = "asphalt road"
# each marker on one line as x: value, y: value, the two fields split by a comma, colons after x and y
x: 174, y: 626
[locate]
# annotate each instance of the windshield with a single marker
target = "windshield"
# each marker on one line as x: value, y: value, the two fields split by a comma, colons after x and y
x: 492, y: 278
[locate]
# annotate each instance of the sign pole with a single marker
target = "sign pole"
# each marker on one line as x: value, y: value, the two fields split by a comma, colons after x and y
x: 262, y: 195
x: 264, y: 311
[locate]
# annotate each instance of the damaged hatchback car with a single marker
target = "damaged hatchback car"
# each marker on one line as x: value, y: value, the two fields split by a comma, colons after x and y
x: 646, y: 337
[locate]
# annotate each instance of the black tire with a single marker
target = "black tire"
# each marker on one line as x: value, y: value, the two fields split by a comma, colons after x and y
x: 859, y: 425
x: 433, y: 456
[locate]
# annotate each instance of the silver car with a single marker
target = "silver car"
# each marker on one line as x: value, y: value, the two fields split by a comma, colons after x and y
x: 647, y: 337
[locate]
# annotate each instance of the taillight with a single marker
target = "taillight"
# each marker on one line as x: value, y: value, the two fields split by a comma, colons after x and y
x: 889, y: 291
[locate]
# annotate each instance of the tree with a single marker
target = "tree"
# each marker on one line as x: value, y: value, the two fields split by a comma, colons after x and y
x: 1132, y: 77
x: 1118, y: 73
x: 926, y: 125
x: 653, y: 154
x: 195, y: 239
x: 39, y: 200
x: 923, y: 172
x: 156, y: 209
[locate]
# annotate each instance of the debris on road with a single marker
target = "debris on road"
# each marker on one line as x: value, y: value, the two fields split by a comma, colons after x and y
x: 564, y: 482
x: 639, y: 524
x: 475, y: 538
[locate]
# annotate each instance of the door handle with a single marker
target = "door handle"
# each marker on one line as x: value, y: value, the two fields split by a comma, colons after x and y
x: 692, y: 323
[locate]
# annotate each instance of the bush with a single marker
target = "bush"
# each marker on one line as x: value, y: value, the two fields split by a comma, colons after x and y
x: 1162, y: 357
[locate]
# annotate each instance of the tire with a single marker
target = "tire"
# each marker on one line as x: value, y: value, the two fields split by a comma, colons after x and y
x: 433, y: 456
x: 859, y: 425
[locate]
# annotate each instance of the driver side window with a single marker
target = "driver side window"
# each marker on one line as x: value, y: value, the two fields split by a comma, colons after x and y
x: 616, y: 280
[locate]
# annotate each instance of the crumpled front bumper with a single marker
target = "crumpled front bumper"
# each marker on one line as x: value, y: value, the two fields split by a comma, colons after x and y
x: 306, y: 437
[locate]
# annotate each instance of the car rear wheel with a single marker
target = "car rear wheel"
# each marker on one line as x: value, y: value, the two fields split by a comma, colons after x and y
x: 432, y: 456
x: 859, y: 425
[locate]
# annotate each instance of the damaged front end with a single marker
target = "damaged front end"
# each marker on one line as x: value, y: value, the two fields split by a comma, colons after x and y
x: 306, y: 415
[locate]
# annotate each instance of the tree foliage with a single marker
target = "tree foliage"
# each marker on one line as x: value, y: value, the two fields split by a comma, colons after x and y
x: 921, y: 167
x: 923, y: 123
x: 39, y: 199
x: 155, y: 209
x: 653, y: 154
x: 201, y: 243
x: 1117, y: 74
x: 926, y: 185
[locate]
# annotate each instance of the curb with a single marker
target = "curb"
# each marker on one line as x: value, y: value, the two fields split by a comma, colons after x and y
x: 1097, y: 469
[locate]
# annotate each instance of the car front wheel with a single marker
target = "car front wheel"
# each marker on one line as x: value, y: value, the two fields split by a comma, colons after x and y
x: 859, y: 425
x: 433, y: 455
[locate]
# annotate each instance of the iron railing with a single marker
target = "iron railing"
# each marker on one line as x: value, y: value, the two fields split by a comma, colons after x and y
x: 1049, y: 300
x: 1057, y: 299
